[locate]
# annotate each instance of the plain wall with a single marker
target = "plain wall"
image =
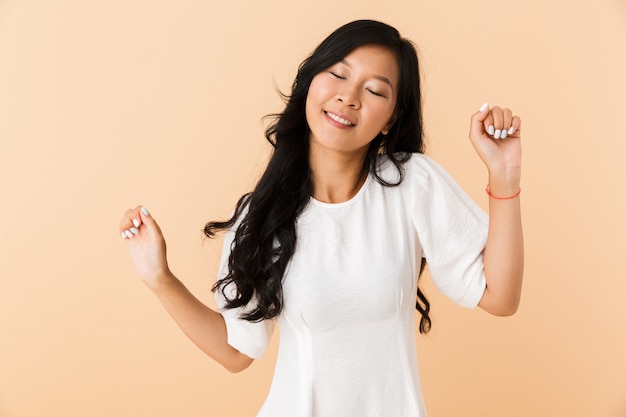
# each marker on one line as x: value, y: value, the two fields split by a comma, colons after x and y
x: 107, y: 105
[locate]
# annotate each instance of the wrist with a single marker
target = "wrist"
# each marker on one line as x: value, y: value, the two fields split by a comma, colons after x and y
x: 160, y: 280
x: 502, y: 197
x: 504, y: 182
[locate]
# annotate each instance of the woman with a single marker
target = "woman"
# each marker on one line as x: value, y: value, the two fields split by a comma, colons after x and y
x: 331, y: 241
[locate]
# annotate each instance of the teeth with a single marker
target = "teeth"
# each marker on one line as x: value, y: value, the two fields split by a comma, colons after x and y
x: 339, y: 119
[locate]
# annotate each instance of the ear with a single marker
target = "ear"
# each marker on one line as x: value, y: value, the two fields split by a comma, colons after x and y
x: 394, y: 118
x: 388, y: 126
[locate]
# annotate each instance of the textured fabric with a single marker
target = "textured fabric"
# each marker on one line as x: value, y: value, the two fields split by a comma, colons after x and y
x: 347, y: 330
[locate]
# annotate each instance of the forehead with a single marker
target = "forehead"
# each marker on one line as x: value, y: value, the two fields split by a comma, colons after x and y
x: 374, y: 60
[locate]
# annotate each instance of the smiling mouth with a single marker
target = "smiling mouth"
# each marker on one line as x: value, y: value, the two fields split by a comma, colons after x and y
x: 339, y: 119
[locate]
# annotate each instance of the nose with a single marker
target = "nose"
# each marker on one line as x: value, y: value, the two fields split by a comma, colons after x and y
x: 349, y: 97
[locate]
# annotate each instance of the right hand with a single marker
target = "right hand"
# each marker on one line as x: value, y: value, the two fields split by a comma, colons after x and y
x: 145, y: 244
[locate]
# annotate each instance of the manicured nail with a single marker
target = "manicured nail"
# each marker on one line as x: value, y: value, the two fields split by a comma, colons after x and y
x: 497, y: 134
x: 512, y: 130
x: 128, y: 233
x: 134, y: 230
x: 145, y: 211
x: 136, y: 222
x: 490, y: 130
x: 124, y: 236
x: 483, y: 107
x: 503, y: 134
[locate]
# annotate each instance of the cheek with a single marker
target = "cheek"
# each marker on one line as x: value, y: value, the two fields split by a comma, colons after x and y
x: 380, y: 116
x: 314, y: 98
x: 313, y: 91
x: 388, y: 111
x: 321, y: 89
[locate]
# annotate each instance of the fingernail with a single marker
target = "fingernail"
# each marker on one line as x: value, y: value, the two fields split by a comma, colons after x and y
x: 124, y: 236
x: 497, y: 134
x: 134, y: 230
x: 483, y: 107
x: 128, y: 233
x: 490, y: 130
x: 136, y: 222
x: 503, y: 134
x: 145, y: 211
x: 512, y: 130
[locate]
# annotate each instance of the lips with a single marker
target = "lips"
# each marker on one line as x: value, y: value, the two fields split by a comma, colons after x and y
x: 339, y: 119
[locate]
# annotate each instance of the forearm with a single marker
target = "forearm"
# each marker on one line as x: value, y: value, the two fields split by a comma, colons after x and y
x: 504, y: 251
x: 205, y: 327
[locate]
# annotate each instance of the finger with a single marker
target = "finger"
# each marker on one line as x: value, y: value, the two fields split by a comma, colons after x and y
x: 148, y: 220
x: 130, y: 223
x: 482, y: 113
x: 516, y: 124
x: 145, y: 216
x: 507, y: 115
x: 480, y: 120
x: 488, y: 124
x: 125, y: 225
x: 498, y: 119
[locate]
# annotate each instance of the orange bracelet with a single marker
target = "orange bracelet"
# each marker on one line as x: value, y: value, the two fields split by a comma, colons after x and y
x: 502, y: 198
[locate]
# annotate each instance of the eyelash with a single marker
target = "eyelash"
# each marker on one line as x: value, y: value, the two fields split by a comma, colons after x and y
x: 343, y: 78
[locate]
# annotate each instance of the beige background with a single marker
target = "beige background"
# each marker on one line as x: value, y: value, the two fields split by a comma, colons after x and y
x: 105, y: 105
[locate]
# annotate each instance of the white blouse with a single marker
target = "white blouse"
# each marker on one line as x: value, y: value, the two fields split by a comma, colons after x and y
x: 347, y: 329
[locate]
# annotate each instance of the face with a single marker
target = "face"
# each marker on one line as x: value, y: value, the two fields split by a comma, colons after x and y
x: 353, y: 101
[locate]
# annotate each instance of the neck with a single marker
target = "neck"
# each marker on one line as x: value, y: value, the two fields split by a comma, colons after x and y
x: 336, y: 177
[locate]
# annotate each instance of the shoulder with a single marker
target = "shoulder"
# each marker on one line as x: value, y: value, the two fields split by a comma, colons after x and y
x: 413, y: 168
x: 420, y: 177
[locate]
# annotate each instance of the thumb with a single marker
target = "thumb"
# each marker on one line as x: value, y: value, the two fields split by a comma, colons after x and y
x: 477, y: 124
x: 145, y: 215
x: 482, y: 113
x: 148, y: 220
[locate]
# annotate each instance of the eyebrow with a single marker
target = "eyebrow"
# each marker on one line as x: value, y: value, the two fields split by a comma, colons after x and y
x: 378, y: 77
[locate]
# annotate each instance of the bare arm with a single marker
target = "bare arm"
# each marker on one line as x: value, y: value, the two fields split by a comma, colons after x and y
x: 205, y: 327
x: 504, y: 252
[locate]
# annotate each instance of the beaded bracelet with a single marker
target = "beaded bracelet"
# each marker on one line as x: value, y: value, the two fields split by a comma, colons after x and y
x: 502, y: 198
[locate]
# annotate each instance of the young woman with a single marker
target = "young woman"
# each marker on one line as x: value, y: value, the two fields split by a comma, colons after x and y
x: 332, y: 239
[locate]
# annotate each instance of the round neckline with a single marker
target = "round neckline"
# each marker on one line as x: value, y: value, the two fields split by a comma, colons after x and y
x: 354, y: 198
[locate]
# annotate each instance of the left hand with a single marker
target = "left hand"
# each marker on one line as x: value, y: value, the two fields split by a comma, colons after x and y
x: 496, y: 136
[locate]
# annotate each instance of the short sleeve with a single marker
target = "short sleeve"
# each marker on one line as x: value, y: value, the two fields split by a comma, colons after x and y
x: 247, y: 337
x: 452, y: 230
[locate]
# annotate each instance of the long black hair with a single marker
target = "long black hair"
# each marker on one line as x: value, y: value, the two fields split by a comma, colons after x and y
x: 265, y: 238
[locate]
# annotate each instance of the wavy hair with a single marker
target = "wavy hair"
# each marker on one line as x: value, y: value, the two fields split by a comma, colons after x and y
x: 265, y: 238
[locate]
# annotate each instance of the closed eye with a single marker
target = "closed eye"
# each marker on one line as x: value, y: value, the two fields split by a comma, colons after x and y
x: 337, y: 75
x: 375, y: 93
